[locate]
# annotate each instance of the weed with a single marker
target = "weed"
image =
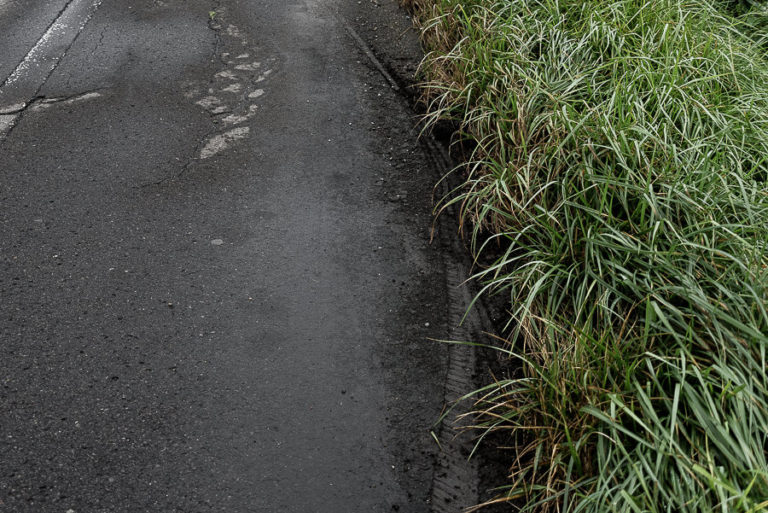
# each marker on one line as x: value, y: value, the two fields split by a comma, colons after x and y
x: 619, y: 170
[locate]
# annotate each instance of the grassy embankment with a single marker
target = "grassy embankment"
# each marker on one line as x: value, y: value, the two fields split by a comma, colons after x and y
x: 616, y: 192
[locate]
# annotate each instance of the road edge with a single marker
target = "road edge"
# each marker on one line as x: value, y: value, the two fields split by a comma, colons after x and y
x: 456, y: 482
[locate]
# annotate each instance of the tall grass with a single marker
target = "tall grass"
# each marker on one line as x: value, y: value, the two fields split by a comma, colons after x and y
x: 616, y: 184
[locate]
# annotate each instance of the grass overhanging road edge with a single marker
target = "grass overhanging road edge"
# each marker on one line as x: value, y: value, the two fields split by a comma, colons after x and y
x: 615, y: 191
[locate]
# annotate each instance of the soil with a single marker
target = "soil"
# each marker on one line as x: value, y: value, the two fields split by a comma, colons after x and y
x: 389, y: 32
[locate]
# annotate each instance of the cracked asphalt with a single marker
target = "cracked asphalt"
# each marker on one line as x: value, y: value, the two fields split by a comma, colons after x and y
x: 216, y: 278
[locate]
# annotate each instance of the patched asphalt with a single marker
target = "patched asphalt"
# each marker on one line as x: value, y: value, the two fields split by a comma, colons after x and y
x: 216, y: 270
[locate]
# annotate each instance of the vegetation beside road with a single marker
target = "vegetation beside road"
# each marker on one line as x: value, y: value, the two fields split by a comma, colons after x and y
x: 614, y: 190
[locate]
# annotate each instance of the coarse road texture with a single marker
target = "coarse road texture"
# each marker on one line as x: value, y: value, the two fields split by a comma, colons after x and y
x: 216, y: 278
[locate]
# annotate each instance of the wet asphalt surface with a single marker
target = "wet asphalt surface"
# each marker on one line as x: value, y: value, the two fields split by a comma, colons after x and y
x: 216, y: 276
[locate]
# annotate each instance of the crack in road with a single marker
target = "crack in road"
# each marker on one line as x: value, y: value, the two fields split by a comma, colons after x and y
x: 229, y: 95
x: 10, y: 118
x: 22, y: 87
x: 10, y: 78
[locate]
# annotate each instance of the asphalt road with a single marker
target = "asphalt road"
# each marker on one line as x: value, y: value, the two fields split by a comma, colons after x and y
x: 216, y: 289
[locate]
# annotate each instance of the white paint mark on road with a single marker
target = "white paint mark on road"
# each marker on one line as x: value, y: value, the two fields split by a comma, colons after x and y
x: 238, y: 106
x: 233, y: 88
x: 30, y: 75
x: 13, y: 108
x: 49, y: 102
x: 59, y: 36
x: 249, y: 67
x: 6, y: 123
x: 234, y: 119
x: 264, y: 76
x: 84, y: 97
x: 226, y: 74
x: 210, y: 103
x: 221, y: 142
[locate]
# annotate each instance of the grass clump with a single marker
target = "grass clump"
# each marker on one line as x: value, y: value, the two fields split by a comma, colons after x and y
x: 615, y: 189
